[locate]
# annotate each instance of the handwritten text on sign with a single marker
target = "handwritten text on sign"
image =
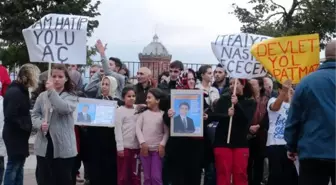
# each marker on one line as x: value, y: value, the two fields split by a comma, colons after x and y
x: 57, y: 38
x: 289, y: 57
x: 233, y: 51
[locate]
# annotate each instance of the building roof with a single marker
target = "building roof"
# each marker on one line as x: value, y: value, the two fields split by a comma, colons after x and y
x: 155, y: 48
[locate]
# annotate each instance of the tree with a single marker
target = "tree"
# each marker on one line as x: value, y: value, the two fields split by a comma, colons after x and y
x: 17, y: 15
x: 304, y: 17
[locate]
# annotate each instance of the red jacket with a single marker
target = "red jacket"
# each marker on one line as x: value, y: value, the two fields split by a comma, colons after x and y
x: 4, y: 80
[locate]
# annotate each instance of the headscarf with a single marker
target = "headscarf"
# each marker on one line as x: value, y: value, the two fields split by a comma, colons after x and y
x: 182, y: 81
x: 113, y: 85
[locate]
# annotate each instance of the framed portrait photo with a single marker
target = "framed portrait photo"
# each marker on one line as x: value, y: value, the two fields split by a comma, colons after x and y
x: 188, y: 118
x: 95, y: 112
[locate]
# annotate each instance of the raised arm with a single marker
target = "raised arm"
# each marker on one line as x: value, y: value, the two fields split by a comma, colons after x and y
x: 281, y: 97
x: 120, y: 78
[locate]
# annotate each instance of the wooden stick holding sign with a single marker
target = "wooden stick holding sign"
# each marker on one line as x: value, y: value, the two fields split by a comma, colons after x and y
x: 46, y: 104
x: 230, y: 123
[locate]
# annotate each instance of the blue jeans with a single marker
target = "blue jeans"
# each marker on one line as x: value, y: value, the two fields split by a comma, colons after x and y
x: 14, y: 172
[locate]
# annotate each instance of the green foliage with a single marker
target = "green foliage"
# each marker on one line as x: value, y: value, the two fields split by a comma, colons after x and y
x: 17, y: 15
x: 303, y: 17
x: 91, y: 51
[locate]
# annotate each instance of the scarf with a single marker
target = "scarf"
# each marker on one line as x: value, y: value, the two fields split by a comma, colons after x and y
x: 260, y: 110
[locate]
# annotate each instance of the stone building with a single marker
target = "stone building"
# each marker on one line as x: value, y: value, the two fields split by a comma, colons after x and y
x: 155, y: 56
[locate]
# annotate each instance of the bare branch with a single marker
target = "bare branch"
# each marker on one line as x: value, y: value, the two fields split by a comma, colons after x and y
x: 284, y: 9
x: 294, y: 5
x: 272, y: 15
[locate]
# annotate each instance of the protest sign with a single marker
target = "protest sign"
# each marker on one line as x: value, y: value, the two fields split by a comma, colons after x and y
x: 290, y: 57
x: 233, y: 51
x: 188, y: 118
x: 57, y: 38
x: 95, y: 112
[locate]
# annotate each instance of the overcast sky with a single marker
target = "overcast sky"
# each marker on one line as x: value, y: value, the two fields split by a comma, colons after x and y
x: 185, y: 27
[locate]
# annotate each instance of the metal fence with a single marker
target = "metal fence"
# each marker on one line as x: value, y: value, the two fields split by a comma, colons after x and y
x: 132, y: 68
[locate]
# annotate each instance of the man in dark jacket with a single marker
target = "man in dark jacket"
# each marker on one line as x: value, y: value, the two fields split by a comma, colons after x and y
x: 145, y: 82
x: 175, y: 69
x: 222, y: 83
x: 310, y: 128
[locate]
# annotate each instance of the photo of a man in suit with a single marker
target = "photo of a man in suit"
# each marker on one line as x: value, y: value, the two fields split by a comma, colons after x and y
x: 182, y: 123
x: 83, y: 116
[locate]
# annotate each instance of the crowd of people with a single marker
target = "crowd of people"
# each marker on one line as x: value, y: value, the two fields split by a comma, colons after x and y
x: 269, y: 120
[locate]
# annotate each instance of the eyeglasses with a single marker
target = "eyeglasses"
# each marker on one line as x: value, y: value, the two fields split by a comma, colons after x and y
x: 140, y: 73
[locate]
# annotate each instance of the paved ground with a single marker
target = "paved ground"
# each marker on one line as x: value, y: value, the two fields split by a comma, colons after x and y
x: 30, y: 166
x: 29, y: 173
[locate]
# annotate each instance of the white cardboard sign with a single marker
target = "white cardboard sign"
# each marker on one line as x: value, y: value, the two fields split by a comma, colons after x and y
x: 233, y: 51
x: 57, y: 38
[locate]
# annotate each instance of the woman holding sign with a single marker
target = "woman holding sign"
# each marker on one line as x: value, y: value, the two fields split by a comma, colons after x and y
x: 232, y: 157
x: 55, y: 144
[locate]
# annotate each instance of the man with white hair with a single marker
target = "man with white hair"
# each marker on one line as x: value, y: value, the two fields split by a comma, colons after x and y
x: 145, y: 82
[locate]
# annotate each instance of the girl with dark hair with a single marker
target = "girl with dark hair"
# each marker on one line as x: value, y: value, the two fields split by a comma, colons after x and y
x: 205, y: 76
x: 232, y: 158
x: 152, y: 135
x: 258, y: 133
x: 127, y: 143
x: 211, y: 93
x: 55, y: 144
x: 102, y: 143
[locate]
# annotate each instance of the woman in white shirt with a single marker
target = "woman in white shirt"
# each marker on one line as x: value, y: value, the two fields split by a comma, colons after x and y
x: 281, y: 169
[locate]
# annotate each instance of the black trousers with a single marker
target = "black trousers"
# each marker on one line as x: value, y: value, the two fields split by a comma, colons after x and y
x: 103, y: 169
x: 317, y: 172
x: 76, y: 167
x: 54, y: 171
x: 255, y: 168
x: 282, y: 171
x: 187, y: 163
x: 2, y: 168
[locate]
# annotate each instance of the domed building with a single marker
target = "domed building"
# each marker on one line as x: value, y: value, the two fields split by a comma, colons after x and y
x: 156, y: 57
